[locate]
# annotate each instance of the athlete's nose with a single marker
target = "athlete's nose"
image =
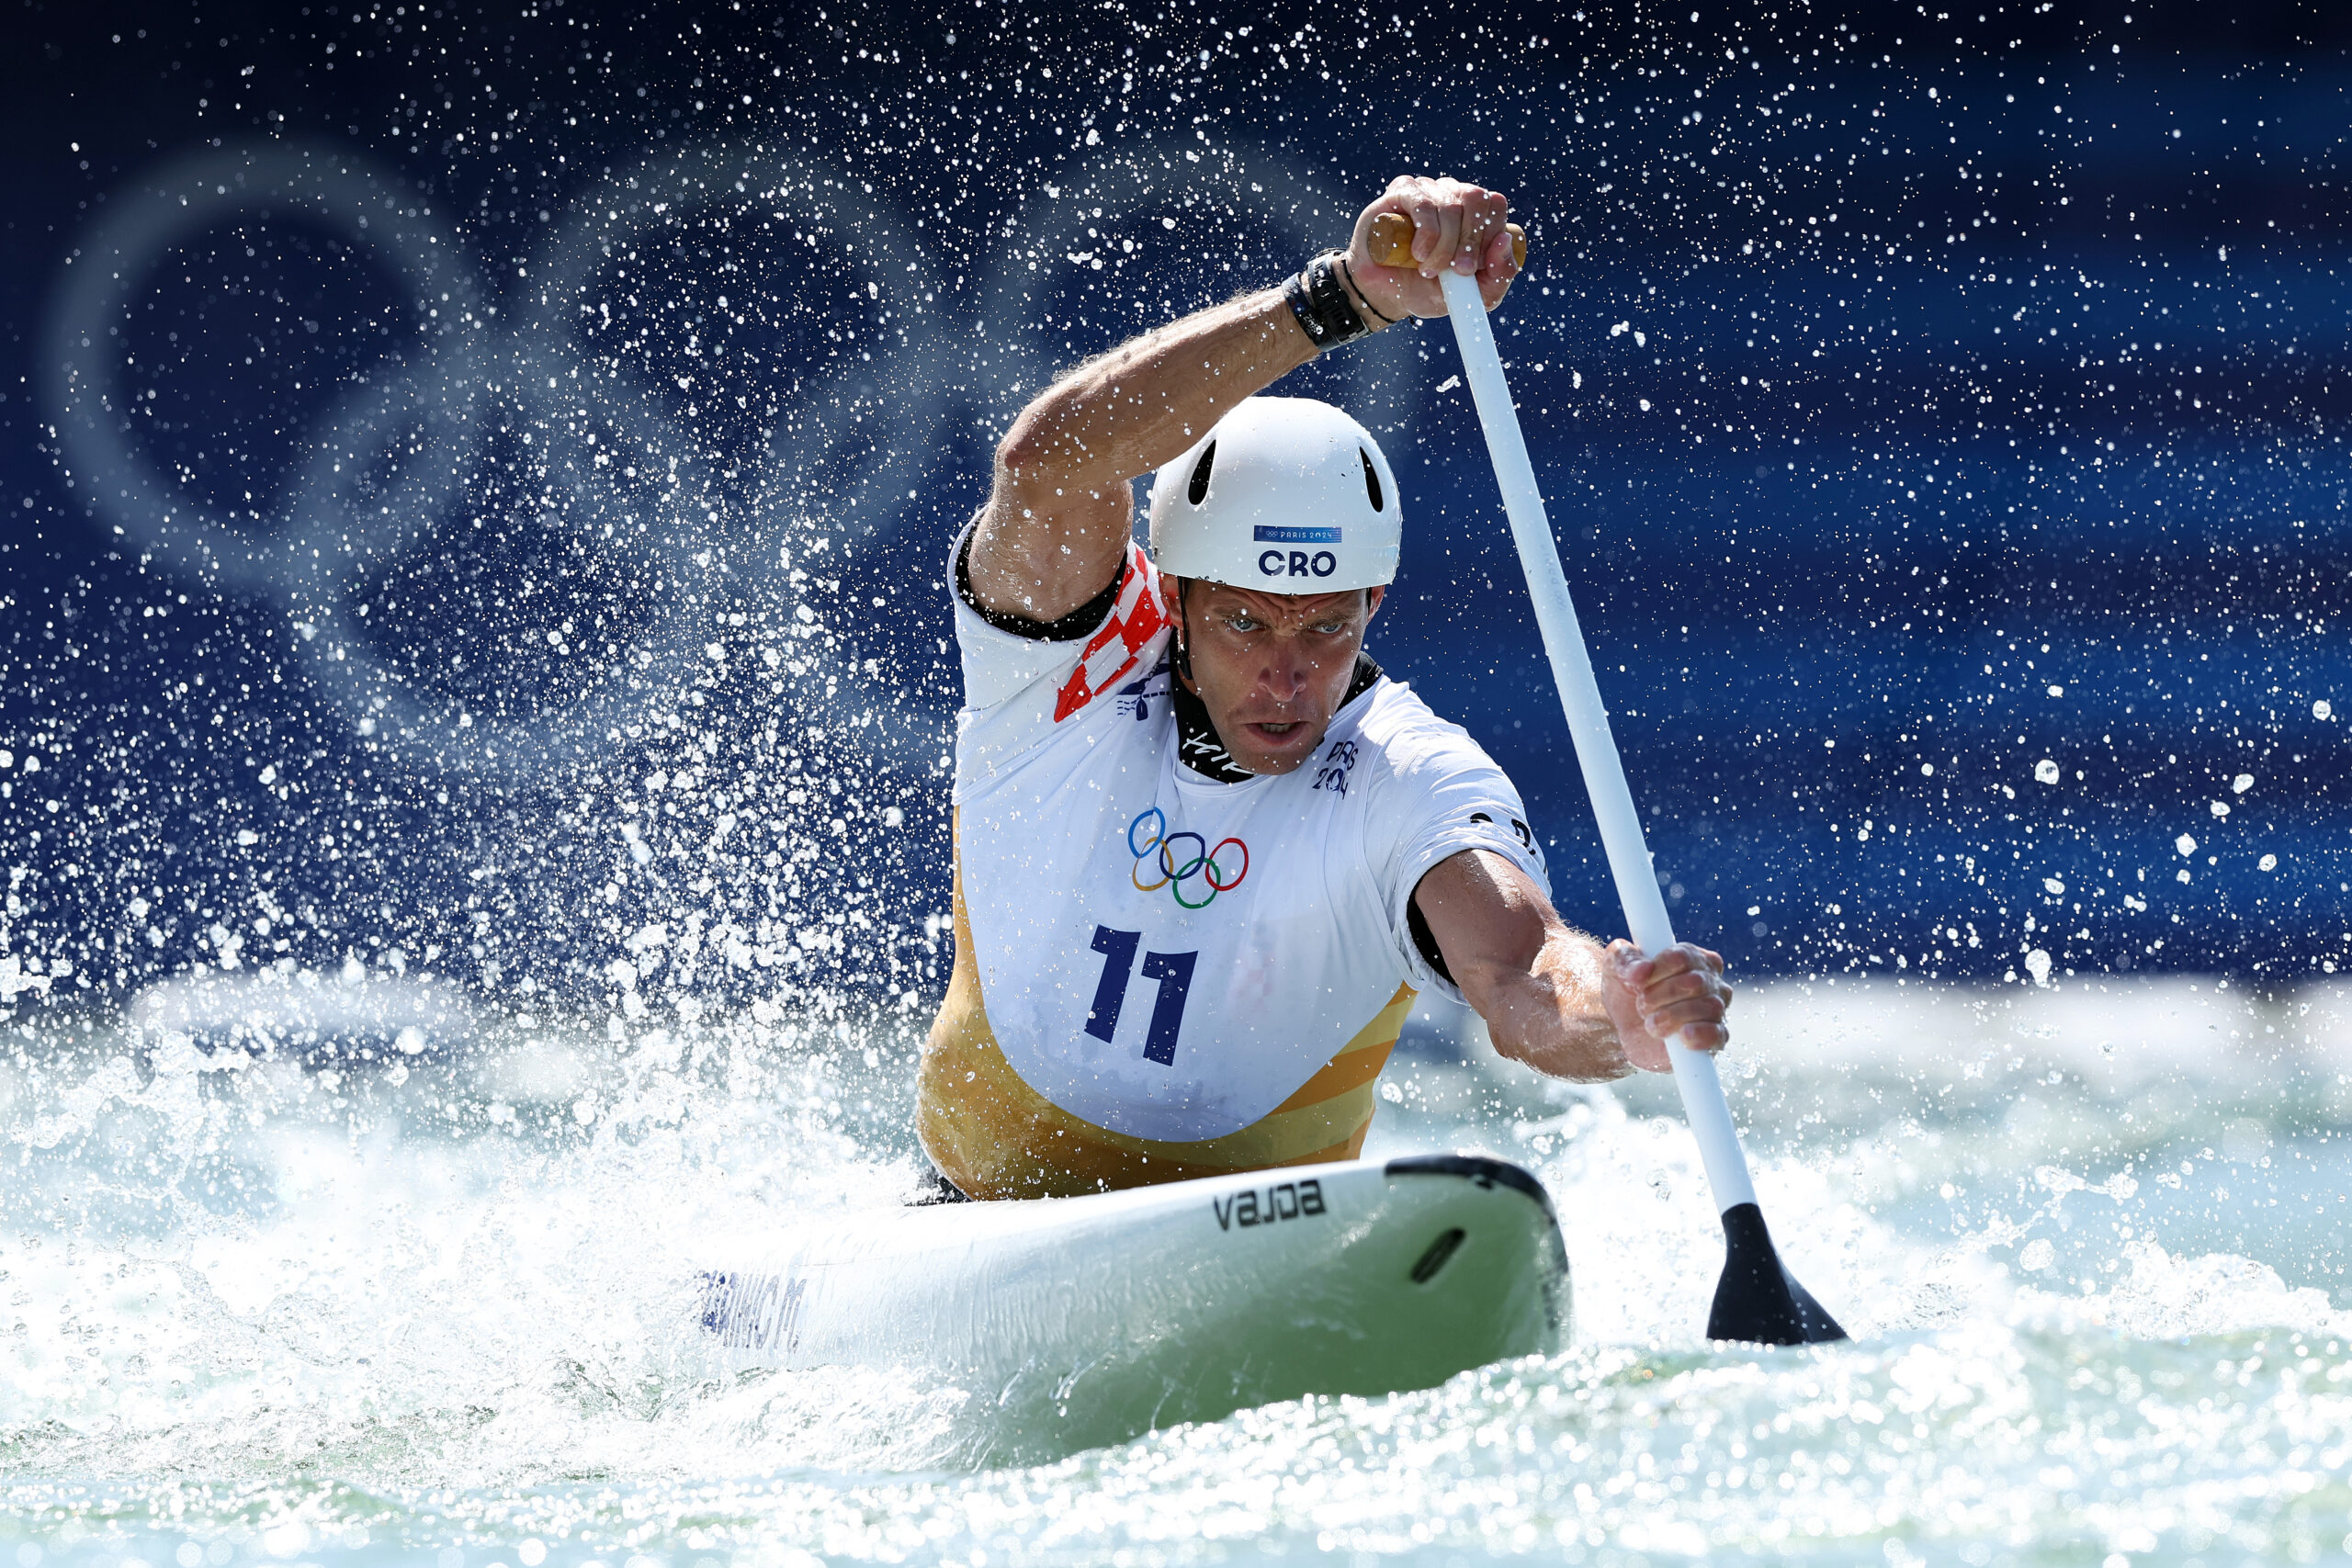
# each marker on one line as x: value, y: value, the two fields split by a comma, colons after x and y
x: 1287, y: 672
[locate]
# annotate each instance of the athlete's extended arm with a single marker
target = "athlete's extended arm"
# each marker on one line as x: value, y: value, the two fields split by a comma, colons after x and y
x: 1554, y: 997
x: 1061, y: 511
x: 1059, y: 518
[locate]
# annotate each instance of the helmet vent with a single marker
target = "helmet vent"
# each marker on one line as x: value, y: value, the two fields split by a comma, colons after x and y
x: 1197, y: 491
x: 1371, y: 479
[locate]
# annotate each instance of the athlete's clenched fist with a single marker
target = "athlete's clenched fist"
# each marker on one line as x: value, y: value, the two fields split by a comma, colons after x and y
x: 1456, y: 227
x: 1682, y: 991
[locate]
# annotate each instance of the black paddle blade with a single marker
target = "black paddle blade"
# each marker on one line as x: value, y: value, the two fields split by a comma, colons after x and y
x: 1758, y: 1301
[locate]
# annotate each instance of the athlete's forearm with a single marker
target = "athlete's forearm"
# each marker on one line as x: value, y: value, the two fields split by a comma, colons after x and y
x: 1127, y: 412
x: 1061, y: 511
x: 1540, y: 985
x: 1550, y: 1013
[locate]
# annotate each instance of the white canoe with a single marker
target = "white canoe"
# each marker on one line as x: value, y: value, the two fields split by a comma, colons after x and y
x: 1078, y: 1322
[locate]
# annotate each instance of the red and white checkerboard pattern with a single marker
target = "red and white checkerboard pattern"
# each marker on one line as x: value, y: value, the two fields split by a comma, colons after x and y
x: 1115, y: 650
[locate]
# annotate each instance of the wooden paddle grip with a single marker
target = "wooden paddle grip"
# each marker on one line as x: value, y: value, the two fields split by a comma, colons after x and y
x: 1392, y: 241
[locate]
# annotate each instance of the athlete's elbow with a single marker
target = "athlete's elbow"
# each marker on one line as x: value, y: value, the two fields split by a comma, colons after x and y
x: 1022, y: 449
x: 1033, y: 449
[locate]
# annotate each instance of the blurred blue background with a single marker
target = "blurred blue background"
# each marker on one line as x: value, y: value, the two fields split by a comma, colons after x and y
x: 477, y: 477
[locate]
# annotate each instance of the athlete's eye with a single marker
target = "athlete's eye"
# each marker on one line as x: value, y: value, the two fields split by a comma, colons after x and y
x: 1242, y: 623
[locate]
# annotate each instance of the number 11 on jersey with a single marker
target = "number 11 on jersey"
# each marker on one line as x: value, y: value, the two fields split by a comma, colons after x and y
x: 1173, y: 970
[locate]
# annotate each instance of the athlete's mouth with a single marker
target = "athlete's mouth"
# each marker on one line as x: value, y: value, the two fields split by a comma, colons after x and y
x: 1275, y: 731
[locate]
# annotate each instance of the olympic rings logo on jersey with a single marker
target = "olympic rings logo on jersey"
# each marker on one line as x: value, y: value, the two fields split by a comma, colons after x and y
x: 1198, y: 866
x: 390, y: 468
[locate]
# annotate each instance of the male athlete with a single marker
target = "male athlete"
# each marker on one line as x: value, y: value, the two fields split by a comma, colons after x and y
x: 1206, y: 852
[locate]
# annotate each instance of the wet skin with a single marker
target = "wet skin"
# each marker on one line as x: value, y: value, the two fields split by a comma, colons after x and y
x: 1271, y: 668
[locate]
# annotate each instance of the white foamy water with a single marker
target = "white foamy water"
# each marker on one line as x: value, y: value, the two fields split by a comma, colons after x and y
x: 436, y: 1305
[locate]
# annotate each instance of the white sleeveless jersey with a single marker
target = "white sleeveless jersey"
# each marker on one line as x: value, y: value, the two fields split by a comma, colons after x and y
x: 1168, y: 956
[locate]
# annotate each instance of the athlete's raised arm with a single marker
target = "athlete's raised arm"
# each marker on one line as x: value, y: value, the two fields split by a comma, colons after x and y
x: 1554, y: 997
x: 1059, y: 514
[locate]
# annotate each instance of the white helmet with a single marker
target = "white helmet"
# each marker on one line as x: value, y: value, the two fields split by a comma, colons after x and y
x: 1284, y: 494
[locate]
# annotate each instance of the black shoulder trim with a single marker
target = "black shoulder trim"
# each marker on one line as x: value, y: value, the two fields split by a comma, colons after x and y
x: 1417, y: 925
x: 1086, y: 618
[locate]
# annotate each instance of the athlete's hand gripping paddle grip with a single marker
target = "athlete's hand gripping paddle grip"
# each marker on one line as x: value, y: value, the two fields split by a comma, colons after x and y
x: 1757, y: 1299
x: 1392, y: 241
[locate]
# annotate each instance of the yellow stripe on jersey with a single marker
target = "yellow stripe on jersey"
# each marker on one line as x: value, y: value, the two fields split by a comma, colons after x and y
x: 994, y: 1136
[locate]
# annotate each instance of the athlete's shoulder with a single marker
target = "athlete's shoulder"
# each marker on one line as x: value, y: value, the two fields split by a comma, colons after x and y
x: 1429, y: 790
x: 1404, y: 735
x: 1029, y: 672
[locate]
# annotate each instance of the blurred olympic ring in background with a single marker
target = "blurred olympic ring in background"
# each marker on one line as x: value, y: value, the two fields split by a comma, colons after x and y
x: 1173, y: 875
x: 396, y: 454
x: 342, y: 515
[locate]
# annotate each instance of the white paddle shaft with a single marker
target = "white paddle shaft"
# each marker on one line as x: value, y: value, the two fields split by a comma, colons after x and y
x: 1604, y: 772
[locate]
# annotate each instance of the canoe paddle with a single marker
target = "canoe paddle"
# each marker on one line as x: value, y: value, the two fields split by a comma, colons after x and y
x: 1757, y: 1299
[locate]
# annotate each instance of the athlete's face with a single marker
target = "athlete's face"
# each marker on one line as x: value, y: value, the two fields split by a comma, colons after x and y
x: 1271, y: 668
